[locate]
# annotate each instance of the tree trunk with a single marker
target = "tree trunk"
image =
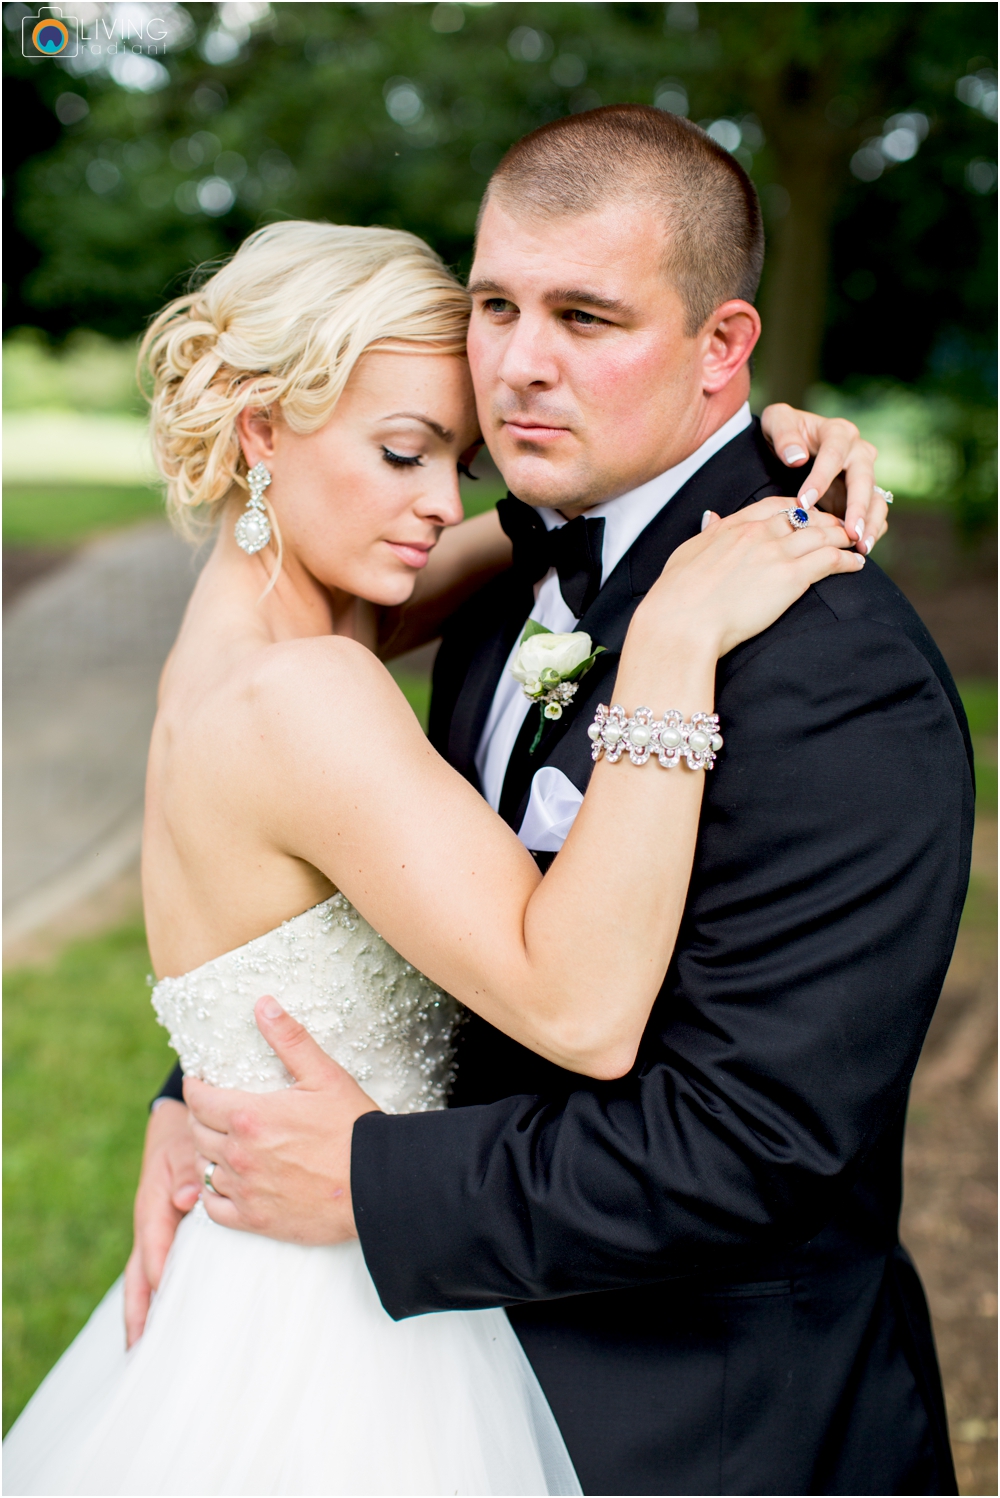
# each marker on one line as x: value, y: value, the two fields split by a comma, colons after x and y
x: 795, y: 288
x: 808, y: 152
x: 811, y: 143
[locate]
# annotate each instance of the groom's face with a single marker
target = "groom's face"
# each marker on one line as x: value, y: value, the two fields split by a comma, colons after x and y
x: 586, y: 382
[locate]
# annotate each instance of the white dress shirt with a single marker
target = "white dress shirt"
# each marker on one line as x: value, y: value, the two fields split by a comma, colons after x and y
x: 554, y: 800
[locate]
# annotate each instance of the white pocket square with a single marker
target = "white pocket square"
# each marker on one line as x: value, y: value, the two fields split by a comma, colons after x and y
x: 552, y: 808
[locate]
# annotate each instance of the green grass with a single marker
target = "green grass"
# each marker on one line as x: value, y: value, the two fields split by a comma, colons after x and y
x: 979, y: 914
x: 980, y: 700
x: 83, y: 1055
x: 63, y: 515
x: 986, y: 776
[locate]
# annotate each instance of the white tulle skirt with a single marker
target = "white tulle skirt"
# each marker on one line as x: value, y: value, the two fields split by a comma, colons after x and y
x: 270, y: 1368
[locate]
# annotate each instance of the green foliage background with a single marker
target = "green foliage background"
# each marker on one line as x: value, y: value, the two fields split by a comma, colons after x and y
x: 303, y: 105
x: 868, y: 285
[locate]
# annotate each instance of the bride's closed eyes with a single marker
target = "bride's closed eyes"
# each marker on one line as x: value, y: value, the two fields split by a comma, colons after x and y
x: 401, y: 460
x: 415, y: 460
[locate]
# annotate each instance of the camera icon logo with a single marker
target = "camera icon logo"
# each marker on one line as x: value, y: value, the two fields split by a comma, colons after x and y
x: 52, y: 35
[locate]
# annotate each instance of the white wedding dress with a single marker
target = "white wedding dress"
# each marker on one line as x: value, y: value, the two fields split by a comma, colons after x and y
x: 266, y: 1367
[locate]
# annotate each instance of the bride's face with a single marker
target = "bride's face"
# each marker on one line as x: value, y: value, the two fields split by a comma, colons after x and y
x: 361, y: 503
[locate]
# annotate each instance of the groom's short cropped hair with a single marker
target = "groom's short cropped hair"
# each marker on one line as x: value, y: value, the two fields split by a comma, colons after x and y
x: 630, y: 152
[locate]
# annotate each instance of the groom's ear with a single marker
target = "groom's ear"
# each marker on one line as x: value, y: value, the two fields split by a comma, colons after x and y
x: 728, y: 340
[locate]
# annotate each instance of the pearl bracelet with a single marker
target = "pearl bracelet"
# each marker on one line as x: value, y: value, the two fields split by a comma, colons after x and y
x: 669, y: 738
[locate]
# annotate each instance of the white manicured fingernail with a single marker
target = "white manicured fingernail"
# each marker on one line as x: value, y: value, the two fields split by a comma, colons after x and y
x: 859, y: 530
x: 808, y: 499
x: 706, y: 518
x: 795, y: 455
x: 271, y: 1009
x: 869, y: 544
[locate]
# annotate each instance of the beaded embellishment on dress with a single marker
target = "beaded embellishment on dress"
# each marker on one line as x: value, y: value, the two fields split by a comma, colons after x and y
x: 360, y: 1000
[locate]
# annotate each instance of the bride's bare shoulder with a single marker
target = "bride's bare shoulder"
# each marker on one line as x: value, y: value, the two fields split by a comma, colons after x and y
x: 308, y: 682
x: 293, y: 715
x: 319, y: 661
x: 322, y: 719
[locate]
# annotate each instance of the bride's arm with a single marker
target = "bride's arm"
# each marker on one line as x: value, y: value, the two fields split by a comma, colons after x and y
x: 569, y: 966
x: 843, y: 476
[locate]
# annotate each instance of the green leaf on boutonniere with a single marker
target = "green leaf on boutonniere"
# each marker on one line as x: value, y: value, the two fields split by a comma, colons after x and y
x: 585, y: 666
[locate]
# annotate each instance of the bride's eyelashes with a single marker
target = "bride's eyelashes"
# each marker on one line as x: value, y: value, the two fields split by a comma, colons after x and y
x: 466, y: 472
x: 401, y: 460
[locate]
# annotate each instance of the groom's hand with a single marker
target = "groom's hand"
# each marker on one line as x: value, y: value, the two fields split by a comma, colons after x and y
x: 168, y: 1189
x: 282, y: 1159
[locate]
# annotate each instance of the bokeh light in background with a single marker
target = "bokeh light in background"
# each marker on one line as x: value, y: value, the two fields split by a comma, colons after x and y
x: 870, y: 132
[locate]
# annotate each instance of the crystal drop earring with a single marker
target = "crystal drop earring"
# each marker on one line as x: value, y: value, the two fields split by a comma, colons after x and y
x: 253, y: 529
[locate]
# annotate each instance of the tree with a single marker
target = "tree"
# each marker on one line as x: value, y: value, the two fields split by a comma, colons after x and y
x: 859, y: 109
x: 396, y: 114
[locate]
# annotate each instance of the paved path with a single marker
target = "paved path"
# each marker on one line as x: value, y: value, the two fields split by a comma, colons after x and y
x: 83, y: 649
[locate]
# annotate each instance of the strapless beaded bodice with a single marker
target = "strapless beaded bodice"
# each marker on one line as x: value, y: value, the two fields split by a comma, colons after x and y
x: 368, y: 1008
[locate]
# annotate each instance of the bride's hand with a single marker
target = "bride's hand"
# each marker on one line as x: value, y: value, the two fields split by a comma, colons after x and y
x: 168, y: 1189
x: 741, y: 574
x: 843, y: 475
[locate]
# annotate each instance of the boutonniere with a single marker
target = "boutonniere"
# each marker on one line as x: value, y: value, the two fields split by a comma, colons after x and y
x: 549, y: 667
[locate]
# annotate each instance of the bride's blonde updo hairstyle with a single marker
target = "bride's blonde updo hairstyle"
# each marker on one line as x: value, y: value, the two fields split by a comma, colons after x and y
x: 282, y: 324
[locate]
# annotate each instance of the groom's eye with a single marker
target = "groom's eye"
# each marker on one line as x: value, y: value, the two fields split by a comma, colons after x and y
x: 401, y: 460
x: 499, y: 306
x: 583, y: 319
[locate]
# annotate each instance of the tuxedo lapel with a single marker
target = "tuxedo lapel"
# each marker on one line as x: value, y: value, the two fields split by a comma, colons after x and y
x: 472, y: 704
x: 741, y: 472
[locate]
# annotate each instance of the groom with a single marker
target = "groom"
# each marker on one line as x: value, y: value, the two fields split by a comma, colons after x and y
x: 701, y: 1260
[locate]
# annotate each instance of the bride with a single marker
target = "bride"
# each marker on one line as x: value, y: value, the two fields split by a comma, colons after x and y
x: 302, y: 838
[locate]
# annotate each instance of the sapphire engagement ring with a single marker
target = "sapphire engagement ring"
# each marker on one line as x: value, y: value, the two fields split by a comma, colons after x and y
x: 797, y: 517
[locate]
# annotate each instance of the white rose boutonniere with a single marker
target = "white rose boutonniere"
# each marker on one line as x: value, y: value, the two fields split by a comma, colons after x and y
x: 549, y: 666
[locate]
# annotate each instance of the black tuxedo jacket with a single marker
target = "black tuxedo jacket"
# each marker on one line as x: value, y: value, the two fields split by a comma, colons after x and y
x: 701, y: 1259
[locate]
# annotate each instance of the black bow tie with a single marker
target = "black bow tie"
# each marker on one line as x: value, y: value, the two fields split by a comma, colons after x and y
x: 574, y: 550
